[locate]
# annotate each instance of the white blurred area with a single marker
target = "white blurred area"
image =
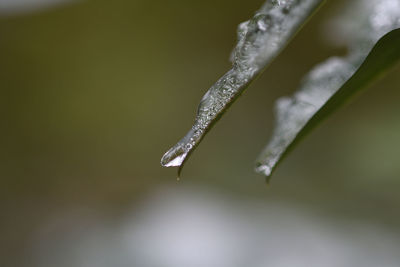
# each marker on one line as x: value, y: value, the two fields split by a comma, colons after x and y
x: 16, y: 7
x: 353, y: 19
x: 195, y: 227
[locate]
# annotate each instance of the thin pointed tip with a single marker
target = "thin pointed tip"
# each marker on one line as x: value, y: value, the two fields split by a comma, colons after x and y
x: 180, y: 170
x: 268, y: 180
x: 175, y: 157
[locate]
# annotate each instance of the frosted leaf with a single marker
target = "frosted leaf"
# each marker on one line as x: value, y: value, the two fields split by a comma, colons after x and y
x: 259, y: 41
x: 293, y: 113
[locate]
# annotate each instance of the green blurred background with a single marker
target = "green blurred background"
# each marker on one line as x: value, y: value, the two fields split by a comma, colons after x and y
x: 94, y: 92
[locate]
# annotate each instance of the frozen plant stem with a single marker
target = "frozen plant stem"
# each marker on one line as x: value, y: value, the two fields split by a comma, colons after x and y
x: 259, y: 41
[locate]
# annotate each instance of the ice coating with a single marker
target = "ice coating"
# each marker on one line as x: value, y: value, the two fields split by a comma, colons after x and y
x: 259, y: 41
x: 293, y: 113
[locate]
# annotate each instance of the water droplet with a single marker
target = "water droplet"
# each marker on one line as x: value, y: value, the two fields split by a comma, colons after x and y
x: 174, y: 157
x: 264, y: 169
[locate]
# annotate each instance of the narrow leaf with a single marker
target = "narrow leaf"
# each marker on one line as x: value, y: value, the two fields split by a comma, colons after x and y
x: 259, y: 41
x: 333, y: 82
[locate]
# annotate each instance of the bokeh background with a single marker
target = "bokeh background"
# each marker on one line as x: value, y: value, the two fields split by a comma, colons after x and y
x: 94, y: 92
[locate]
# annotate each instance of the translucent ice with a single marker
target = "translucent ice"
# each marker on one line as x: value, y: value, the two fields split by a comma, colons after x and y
x: 259, y: 41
